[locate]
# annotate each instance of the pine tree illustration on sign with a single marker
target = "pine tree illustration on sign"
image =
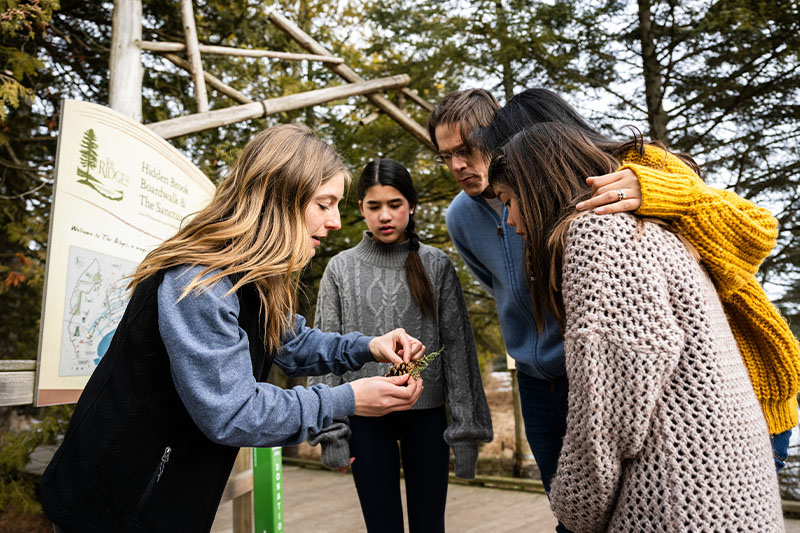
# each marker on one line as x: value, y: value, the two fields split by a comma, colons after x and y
x: 88, y: 162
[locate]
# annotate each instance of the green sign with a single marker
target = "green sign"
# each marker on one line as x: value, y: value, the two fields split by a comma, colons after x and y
x: 267, y: 490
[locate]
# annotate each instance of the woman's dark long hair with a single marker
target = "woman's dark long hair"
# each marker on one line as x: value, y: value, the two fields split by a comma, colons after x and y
x: 393, y: 174
x: 546, y: 165
x: 537, y: 105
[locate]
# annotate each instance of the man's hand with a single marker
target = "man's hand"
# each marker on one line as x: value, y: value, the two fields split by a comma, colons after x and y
x: 397, y: 346
x: 378, y: 396
x: 606, y: 193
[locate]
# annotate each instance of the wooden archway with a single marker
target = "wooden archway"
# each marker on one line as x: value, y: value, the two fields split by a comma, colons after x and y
x: 127, y: 72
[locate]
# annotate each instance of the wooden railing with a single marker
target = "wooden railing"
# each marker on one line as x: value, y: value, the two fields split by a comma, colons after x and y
x: 16, y: 382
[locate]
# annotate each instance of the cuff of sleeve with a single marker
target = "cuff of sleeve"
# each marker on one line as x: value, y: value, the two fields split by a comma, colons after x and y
x: 335, y: 441
x: 664, y: 195
x: 343, y: 401
x: 336, y: 454
x: 362, y: 350
x: 466, y: 454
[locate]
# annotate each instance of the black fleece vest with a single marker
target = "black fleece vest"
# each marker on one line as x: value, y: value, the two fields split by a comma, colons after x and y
x: 132, y: 458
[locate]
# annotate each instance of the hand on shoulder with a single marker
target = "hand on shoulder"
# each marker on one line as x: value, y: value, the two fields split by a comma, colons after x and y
x: 617, y: 192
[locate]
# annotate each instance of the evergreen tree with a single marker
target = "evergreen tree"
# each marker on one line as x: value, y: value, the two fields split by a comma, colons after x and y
x: 717, y: 80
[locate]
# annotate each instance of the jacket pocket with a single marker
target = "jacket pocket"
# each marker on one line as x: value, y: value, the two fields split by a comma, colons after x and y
x: 156, y: 477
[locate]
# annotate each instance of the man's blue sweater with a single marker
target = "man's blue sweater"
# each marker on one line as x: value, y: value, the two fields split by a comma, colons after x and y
x: 496, y: 255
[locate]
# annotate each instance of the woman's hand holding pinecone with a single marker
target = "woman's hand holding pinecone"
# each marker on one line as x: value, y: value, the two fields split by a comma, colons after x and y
x: 380, y: 395
x: 397, y: 346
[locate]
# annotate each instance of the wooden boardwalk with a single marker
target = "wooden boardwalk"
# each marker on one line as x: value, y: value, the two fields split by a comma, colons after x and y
x: 321, y: 501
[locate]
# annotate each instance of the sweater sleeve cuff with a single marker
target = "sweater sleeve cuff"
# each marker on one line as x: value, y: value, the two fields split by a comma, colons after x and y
x: 664, y: 195
x: 466, y: 454
x: 362, y: 350
x: 343, y: 401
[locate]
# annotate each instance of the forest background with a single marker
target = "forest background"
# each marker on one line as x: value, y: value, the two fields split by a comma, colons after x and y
x: 718, y: 80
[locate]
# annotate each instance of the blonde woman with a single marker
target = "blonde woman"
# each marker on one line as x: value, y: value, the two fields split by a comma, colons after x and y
x: 181, y: 388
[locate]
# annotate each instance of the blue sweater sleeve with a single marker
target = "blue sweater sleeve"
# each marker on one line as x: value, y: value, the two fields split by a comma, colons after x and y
x: 212, y: 372
x: 311, y: 352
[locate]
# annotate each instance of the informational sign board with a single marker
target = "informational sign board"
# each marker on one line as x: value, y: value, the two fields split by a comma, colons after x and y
x: 120, y: 190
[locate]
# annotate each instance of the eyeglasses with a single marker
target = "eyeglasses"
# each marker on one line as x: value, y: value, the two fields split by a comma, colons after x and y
x: 444, y: 158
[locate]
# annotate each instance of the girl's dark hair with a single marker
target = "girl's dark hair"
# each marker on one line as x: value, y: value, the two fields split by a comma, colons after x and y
x: 535, y: 106
x: 546, y: 165
x: 532, y: 106
x: 393, y: 174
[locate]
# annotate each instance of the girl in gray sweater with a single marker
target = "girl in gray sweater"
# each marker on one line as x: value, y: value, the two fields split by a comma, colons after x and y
x: 390, y: 279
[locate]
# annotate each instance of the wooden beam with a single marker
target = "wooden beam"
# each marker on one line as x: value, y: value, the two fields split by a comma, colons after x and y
x: 238, y: 484
x: 16, y: 388
x: 14, y: 365
x: 369, y: 118
x: 190, y: 33
x: 125, y: 63
x: 157, y: 46
x: 222, y: 117
x: 349, y: 74
x: 417, y: 99
x: 213, y: 81
x: 243, y: 504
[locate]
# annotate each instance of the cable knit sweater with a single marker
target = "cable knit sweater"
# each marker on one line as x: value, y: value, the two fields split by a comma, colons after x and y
x: 732, y: 236
x: 365, y: 289
x: 664, y: 432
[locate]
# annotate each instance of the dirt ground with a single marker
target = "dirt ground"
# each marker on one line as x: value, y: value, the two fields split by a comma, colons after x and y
x: 499, y: 397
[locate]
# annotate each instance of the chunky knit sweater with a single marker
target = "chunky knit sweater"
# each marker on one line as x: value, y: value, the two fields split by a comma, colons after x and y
x: 733, y: 237
x: 664, y: 432
x: 365, y: 289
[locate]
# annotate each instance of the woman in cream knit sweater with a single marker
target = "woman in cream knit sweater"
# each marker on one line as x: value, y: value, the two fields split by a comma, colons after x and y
x: 664, y: 431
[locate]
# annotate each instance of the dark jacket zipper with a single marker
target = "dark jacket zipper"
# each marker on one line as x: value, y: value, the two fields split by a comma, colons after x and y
x: 154, y: 479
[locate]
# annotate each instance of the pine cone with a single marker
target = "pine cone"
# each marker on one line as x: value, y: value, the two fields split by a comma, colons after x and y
x: 414, y: 368
x: 400, y: 369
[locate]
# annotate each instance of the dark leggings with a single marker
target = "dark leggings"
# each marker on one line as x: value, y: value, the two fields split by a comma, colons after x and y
x: 376, y: 470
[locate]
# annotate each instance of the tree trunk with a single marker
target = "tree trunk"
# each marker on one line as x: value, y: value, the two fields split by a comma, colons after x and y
x: 505, y: 60
x: 653, y: 86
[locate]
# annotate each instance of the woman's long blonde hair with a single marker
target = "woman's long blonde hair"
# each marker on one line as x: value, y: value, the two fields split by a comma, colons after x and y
x: 254, y: 229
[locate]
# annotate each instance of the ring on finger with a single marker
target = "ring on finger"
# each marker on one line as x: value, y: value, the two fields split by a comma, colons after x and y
x: 620, y: 195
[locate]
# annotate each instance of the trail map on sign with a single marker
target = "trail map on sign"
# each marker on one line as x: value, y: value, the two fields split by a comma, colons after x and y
x: 95, y: 300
